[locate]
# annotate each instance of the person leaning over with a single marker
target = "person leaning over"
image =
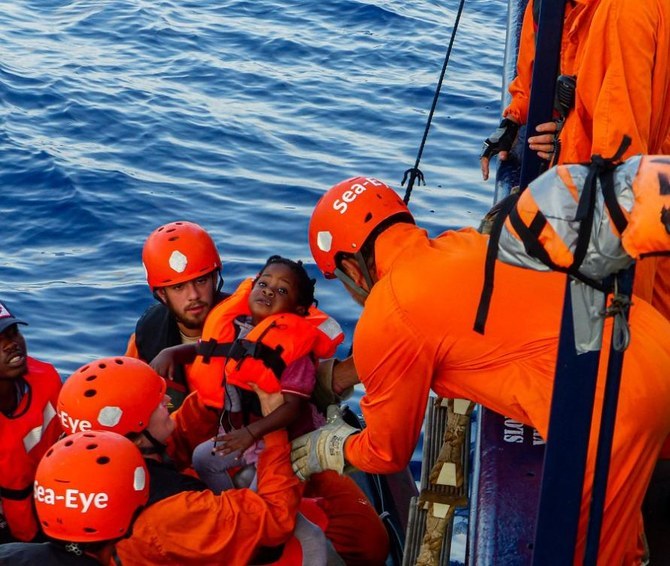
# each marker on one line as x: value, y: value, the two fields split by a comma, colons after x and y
x: 28, y: 393
x: 183, y: 522
x: 415, y: 333
x: 183, y: 270
x: 89, y: 487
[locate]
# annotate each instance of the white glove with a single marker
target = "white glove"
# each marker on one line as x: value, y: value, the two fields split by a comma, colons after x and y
x: 322, y: 449
x: 323, y: 394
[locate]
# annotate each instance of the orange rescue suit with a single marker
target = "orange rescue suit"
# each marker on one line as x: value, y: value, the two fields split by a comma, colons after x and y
x: 619, y: 50
x: 416, y: 334
x: 25, y: 437
x: 199, y: 527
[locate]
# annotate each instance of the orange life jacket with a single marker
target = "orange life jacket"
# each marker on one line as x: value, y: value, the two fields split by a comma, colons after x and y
x: 263, y: 354
x: 25, y: 438
x: 587, y: 220
x: 628, y: 217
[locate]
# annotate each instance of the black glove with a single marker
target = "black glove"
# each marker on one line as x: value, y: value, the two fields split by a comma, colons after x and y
x: 500, y: 140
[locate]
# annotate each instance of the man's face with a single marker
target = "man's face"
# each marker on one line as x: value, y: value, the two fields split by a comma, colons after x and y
x: 191, y: 301
x: 13, y: 352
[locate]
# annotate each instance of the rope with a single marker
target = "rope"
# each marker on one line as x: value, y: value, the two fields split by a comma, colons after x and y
x: 415, y: 172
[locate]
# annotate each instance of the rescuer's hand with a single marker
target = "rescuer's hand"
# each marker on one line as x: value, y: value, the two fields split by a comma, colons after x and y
x: 322, y: 449
x: 498, y: 143
x: 545, y: 142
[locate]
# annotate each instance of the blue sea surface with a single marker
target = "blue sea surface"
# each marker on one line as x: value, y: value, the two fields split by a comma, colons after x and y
x: 118, y: 116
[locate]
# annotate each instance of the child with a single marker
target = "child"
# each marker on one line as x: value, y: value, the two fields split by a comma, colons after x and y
x: 283, y: 286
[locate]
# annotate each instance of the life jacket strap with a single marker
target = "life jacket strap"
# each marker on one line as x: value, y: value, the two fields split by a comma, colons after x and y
x: 241, y: 349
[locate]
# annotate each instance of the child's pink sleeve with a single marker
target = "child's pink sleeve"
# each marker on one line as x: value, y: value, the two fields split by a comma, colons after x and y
x: 299, y: 377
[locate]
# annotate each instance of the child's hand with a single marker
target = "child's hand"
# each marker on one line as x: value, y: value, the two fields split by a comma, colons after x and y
x: 164, y: 363
x: 236, y: 440
x: 167, y: 360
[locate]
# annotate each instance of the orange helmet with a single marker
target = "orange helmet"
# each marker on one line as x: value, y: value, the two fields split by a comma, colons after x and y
x: 118, y: 394
x: 88, y: 487
x: 178, y: 252
x: 345, y: 216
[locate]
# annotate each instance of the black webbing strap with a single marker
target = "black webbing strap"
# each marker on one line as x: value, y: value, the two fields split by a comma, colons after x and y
x: 504, y: 208
x: 587, y: 200
x: 663, y: 180
x: 616, y: 214
x: 16, y: 494
x: 212, y: 348
x: 239, y: 350
x: 529, y: 235
x: 586, y: 210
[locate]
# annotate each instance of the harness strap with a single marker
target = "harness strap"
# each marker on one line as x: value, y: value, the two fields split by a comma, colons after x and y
x: 587, y: 200
x: 504, y: 208
x: 529, y: 237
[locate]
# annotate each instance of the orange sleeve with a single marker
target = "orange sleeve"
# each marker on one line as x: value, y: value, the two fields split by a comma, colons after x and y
x: 131, y: 348
x: 194, y: 423
x: 396, y: 374
x: 519, y: 88
x: 199, y: 527
x: 623, y: 103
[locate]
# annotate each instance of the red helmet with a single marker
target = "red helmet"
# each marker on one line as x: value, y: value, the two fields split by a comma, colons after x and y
x: 88, y: 487
x: 118, y: 394
x: 178, y: 252
x: 345, y: 216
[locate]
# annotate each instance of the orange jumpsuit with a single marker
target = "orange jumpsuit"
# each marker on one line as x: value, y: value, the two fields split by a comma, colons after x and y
x: 199, y: 527
x: 425, y: 302
x: 620, y: 52
x: 578, y: 16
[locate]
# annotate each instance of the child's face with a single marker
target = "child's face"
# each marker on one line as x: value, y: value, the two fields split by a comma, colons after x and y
x: 275, y: 291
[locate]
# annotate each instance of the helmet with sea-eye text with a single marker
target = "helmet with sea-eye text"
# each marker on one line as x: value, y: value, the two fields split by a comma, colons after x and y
x: 89, y: 486
x: 346, y: 215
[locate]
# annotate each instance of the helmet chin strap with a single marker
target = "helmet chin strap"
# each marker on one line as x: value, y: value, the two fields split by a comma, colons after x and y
x: 349, y: 282
x: 156, y: 446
